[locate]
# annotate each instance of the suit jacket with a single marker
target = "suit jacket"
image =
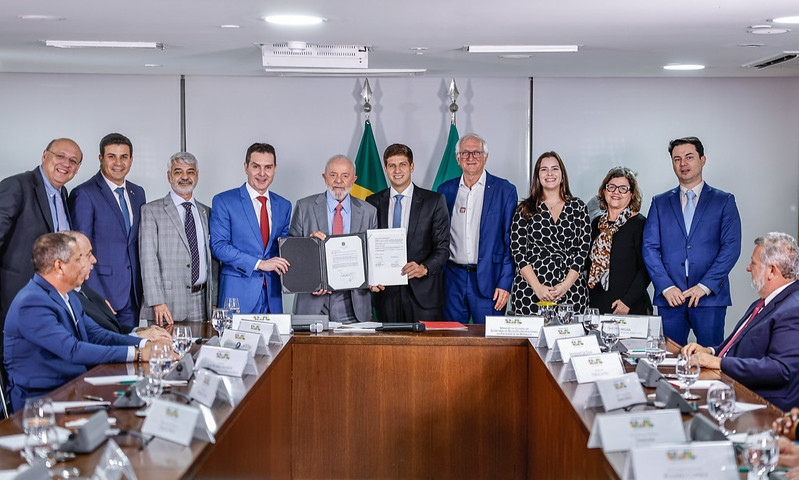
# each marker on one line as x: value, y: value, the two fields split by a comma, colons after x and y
x: 24, y: 217
x: 236, y: 241
x: 166, y: 259
x: 427, y: 240
x: 310, y: 215
x: 43, y: 348
x: 494, y: 263
x: 628, y: 276
x: 712, y: 248
x: 96, y: 213
x: 95, y: 307
x: 765, y: 356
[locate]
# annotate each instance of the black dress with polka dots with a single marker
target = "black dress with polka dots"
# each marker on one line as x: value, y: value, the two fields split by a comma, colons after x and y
x: 552, y: 249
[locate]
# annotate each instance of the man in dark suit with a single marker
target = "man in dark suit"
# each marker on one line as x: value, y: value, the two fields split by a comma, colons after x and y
x: 692, y: 239
x: 479, y: 273
x: 106, y: 208
x: 32, y: 204
x: 423, y: 215
x: 763, y: 352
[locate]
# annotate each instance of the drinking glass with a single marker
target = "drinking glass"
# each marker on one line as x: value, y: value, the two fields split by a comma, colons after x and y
x: 721, y: 404
x: 181, y: 339
x: 547, y: 311
x: 160, y: 359
x: 656, y: 350
x: 219, y: 320
x: 38, y: 413
x: 591, y: 319
x: 232, y: 304
x: 148, y: 388
x: 688, y: 370
x: 610, y: 333
x: 565, y: 313
x: 761, y: 453
x: 41, y: 445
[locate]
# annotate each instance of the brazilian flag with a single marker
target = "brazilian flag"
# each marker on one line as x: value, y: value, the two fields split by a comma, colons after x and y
x: 449, y: 167
x: 368, y: 168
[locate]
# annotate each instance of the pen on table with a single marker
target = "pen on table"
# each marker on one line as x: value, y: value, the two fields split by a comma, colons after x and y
x: 127, y: 382
x: 778, y: 469
x: 119, y: 394
x: 92, y: 397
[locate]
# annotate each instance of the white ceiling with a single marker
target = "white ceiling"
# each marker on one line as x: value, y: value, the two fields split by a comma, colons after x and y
x: 617, y: 38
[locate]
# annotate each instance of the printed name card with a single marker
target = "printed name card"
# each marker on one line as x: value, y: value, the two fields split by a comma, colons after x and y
x: 524, y: 327
x: 590, y: 368
x: 619, y: 392
x: 630, y: 326
x: 282, y: 320
x: 267, y: 329
x: 241, y: 340
x: 566, y: 348
x: 548, y: 335
x: 226, y: 361
x: 693, y: 461
x: 206, y: 387
x: 175, y: 422
x: 619, y: 432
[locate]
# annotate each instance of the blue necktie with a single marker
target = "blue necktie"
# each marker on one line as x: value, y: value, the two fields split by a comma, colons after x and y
x: 398, y: 212
x: 124, y: 206
x: 60, y: 213
x: 690, y: 208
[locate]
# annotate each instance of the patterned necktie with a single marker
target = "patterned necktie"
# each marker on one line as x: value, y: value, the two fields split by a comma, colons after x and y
x: 264, y: 221
x: 755, y: 311
x: 338, y: 221
x: 191, y: 236
x: 124, y: 206
x: 60, y: 213
x: 398, y: 211
x: 74, y: 319
x: 688, y: 212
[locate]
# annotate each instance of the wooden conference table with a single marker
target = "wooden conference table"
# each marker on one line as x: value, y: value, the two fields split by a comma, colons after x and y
x: 395, y: 406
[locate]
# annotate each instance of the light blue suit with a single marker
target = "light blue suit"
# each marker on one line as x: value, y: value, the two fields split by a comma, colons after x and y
x: 236, y: 242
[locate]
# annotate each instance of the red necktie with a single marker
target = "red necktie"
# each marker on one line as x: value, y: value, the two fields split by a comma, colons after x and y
x: 264, y: 221
x: 755, y: 311
x: 338, y: 221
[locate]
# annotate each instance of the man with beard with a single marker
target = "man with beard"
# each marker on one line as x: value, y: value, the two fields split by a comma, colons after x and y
x: 245, y: 226
x: 177, y: 269
x: 763, y: 353
x: 334, y: 212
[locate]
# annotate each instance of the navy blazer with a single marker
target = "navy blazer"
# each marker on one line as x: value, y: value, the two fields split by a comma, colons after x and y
x: 96, y: 213
x: 765, y: 356
x: 43, y: 349
x: 712, y: 248
x: 494, y: 264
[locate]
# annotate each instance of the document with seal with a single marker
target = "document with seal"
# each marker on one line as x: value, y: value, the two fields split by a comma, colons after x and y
x: 346, y: 268
x: 387, y: 253
x: 337, y: 263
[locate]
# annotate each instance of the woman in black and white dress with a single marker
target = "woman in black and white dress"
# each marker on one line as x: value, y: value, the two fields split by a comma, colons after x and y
x: 549, y: 240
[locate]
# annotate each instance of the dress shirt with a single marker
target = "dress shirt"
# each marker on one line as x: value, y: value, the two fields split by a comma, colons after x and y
x: 51, y: 193
x: 466, y: 216
x: 113, y: 186
x: 131, y: 350
x: 346, y: 212
x: 256, y: 205
x: 198, y: 226
x: 407, y: 195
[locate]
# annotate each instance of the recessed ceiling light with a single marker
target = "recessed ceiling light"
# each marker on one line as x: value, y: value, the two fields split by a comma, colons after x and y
x: 759, y: 26
x: 152, y: 65
x: 521, y: 48
x: 230, y: 26
x: 294, y: 19
x: 41, y: 18
x: 768, y: 31
x: 101, y: 44
x: 515, y: 56
x: 683, y: 67
x: 794, y: 19
x: 751, y: 45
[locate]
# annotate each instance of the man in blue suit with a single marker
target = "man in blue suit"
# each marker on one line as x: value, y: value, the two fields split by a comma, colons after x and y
x: 48, y: 339
x: 692, y: 239
x: 106, y: 209
x: 245, y: 225
x: 763, y: 352
x: 479, y: 273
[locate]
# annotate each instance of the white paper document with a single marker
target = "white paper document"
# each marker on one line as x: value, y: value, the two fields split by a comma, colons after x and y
x: 387, y: 253
x: 693, y: 461
x: 345, y: 262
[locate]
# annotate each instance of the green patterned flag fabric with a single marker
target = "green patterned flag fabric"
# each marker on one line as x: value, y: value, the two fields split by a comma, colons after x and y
x: 449, y: 167
x: 368, y: 168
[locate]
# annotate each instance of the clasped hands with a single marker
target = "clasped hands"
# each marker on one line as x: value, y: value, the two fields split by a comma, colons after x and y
x: 675, y: 297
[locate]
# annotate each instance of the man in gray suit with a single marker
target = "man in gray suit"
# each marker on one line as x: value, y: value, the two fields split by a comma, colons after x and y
x: 334, y: 212
x: 177, y: 269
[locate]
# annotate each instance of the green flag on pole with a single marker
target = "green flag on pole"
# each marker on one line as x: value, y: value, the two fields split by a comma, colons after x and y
x: 449, y: 167
x: 368, y: 168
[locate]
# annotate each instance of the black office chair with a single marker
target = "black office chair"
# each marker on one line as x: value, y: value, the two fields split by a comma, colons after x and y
x: 3, y: 396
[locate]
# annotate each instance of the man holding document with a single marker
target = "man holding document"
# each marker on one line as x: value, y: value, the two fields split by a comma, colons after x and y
x: 334, y: 212
x: 423, y: 214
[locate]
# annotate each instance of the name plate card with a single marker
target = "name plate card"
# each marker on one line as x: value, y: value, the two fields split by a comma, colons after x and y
x: 619, y: 432
x: 241, y: 340
x: 206, y: 387
x: 226, y: 361
x: 566, y: 348
x: 268, y: 330
x: 175, y: 422
x: 548, y: 335
x: 694, y: 461
x: 282, y: 320
x: 615, y: 393
x: 630, y: 326
x: 590, y: 368
x: 525, y: 327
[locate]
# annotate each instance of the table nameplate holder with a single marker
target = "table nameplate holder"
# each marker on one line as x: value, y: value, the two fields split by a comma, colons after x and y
x: 667, y: 396
x: 113, y: 463
x: 175, y: 422
x: 88, y: 436
x: 692, y: 461
x: 269, y: 330
x: 550, y: 333
x: 130, y: 399
x: 647, y: 373
x: 635, y: 326
x: 182, y: 370
x: 282, y: 320
x: 620, y: 432
x: 523, y: 327
x: 615, y: 393
x: 253, y: 342
x: 565, y: 348
x: 590, y: 368
x: 37, y: 471
x: 226, y: 361
x: 207, y: 387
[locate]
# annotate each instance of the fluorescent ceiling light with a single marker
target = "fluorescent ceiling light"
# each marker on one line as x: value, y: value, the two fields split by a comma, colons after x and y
x: 101, y: 44
x: 521, y: 48
x: 294, y: 19
x: 346, y: 72
x: 683, y: 67
x: 41, y: 18
x: 786, y: 20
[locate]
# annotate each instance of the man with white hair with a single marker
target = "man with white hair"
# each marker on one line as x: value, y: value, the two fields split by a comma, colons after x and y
x: 334, y: 212
x: 762, y: 353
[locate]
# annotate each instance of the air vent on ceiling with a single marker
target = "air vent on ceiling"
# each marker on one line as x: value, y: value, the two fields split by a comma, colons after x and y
x: 308, y: 55
x: 772, y: 61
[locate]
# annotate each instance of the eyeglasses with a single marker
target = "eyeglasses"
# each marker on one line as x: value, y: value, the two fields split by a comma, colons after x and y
x: 621, y: 188
x: 73, y: 161
x: 474, y: 154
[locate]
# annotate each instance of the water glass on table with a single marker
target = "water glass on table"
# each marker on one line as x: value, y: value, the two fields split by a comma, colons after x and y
x: 181, y: 339
x: 41, y: 445
x: 38, y: 413
x: 590, y: 319
x: 761, y: 453
x: 219, y: 320
x: 565, y: 313
x: 656, y: 350
x: 688, y: 370
x: 160, y: 359
x: 721, y: 404
x: 610, y: 333
x: 232, y: 304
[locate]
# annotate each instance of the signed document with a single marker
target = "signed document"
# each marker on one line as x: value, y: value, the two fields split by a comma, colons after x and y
x: 387, y: 253
x: 346, y: 267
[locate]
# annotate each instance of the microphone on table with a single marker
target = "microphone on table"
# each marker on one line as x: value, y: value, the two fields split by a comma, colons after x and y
x: 401, y: 327
x: 317, y: 327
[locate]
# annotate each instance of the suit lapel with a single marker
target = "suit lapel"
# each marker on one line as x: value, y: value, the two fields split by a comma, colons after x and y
x: 277, y: 212
x: 356, y: 216
x: 249, y: 213
x: 59, y: 300
x: 382, y: 203
x: 111, y: 198
x: 41, y: 198
x: 417, y: 204
x: 135, y: 206
x: 676, y: 207
x: 488, y: 197
x: 701, y: 207
x: 175, y: 218
x: 320, y: 211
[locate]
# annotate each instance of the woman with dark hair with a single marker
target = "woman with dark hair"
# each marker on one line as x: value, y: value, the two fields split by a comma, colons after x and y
x: 617, y: 276
x: 549, y: 240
